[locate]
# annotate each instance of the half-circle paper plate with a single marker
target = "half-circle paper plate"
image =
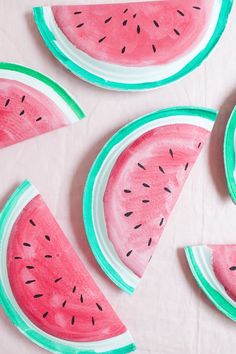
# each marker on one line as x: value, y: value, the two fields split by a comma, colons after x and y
x: 133, y: 185
x: 45, y: 289
x: 133, y: 46
x: 230, y: 155
x: 32, y: 104
x: 214, y: 269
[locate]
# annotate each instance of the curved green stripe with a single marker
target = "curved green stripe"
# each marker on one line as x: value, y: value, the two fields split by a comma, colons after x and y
x: 49, y: 82
x: 230, y: 154
x: 49, y: 40
x: 15, y: 317
x: 97, y: 165
x: 216, y: 298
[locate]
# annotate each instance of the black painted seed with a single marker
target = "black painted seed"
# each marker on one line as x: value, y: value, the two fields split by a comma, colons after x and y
x: 32, y: 222
x: 134, y: 15
x: 149, y: 259
x: 156, y: 23
x: 176, y: 32
x: 128, y: 213
x: 124, y: 12
x: 137, y: 226
x: 129, y: 253
x: 161, y: 169
x: 171, y: 153
x: 146, y: 185
x: 124, y: 22
x: 99, y: 306
x: 81, y: 299
x: 123, y: 50
x: 30, y: 281
x: 45, y: 314
x: 199, y: 145
x: 7, y: 102
x: 37, y: 296
x: 232, y: 268
x: 74, y: 289
x: 127, y: 190
x: 57, y: 280
x: 77, y: 12
x: 18, y: 257
x: 22, y: 99
x: 108, y: 19
x: 101, y: 39
x: 47, y: 237
x: 30, y: 267
x: 149, y: 242
x: 93, y: 321
x: 186, y: 166
x: 167, y: 190
x: 141, y: 166
x: 138, y: 29
x: 161, y: 222
x: 196, y: 8
x: 80, y: 25
x: 73, y: 320
x: 26, y: 244
x: 64, y: 303
x: 38, y: 119
x: 180, y: 12
x: 48, y: 256
x: 22, y: 112
x: 154, y: 48
x: 145, y: 201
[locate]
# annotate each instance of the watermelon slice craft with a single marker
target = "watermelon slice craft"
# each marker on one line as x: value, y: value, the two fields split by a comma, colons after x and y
x: 133, y: 46
x: 230, y: 155
x: 214, y: 269
x: 134, y: 184
x: 45, y: 289
x: 32, y: 104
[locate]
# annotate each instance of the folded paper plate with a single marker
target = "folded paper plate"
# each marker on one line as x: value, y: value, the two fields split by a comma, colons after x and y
x: 214, y: 269
x: 32, y: 104
x: 133, y: 46
x: 45, y: 289
x: 135, y: 182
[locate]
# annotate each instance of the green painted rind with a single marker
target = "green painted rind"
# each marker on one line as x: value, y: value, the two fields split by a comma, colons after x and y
x: 97, y: 165
x: 230, y: 154
x: 49, y: 82
x: 12, y: 313
x: 49, y: 40
x: 216, y: 298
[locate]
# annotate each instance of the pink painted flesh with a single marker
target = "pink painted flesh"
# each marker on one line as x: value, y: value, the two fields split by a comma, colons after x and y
x: 71, y: 306
x: 135, y: 34
x: 224, y: 266
x: 143, y: 188
x: 25, y: 112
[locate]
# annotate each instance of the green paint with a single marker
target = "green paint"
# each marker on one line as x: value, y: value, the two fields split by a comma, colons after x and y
x: 26, y: 328
x: 50, y: 42
x: 97, y: 165
x: 49, y: 82
x: 217, y: 299
x: 230, y: 154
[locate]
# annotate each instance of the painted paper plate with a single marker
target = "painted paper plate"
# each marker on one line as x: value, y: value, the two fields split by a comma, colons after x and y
x: 134, y: 184
x: 133, y: 46
x: 46, y: 290
x: 230, y: 155
x: 32, y: 104
x: 214, y: 269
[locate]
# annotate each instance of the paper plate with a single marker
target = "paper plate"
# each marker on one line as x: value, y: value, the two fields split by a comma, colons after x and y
x: 135, y: 182
x: 46, y: 290
x: 133, y: 46
x: 214, y: 269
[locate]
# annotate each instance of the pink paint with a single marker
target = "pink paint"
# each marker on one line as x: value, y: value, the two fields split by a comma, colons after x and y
x: 224, y: 258
x: 25, y: 112
x: 75, y: 294
x: 144, y: 186
x: 135, y: 34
